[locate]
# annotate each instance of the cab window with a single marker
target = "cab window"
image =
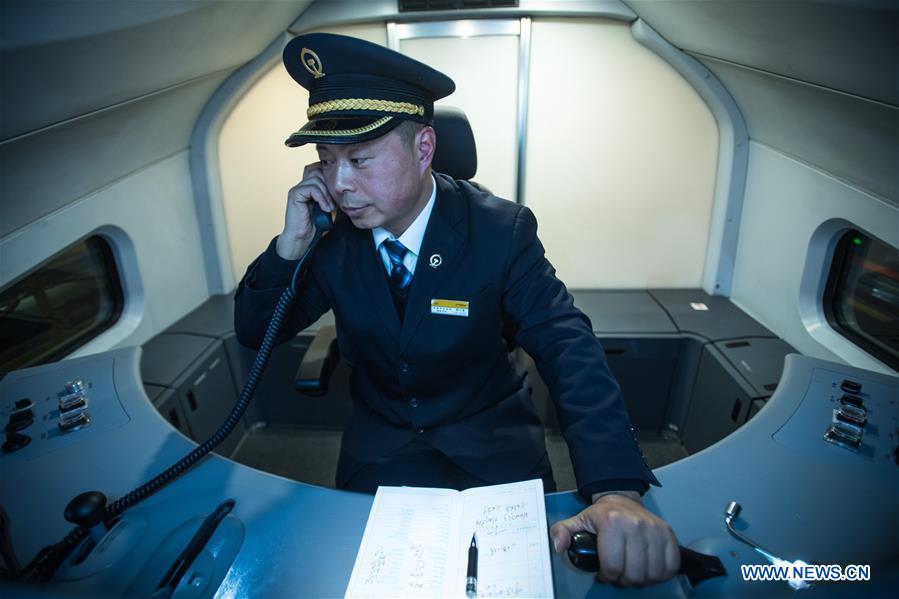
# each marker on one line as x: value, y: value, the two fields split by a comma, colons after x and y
x: 60, y: 305
x: 862, y: 297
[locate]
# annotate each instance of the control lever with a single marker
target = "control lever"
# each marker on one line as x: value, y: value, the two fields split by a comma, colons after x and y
x: 88, y: 511
x: 730, y: 514
x: 694, y: 565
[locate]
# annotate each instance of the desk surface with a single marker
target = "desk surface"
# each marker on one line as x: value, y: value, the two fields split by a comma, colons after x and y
x: 801, y: 497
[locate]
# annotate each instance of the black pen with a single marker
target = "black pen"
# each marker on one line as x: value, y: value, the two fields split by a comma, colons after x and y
x: 471, y: 579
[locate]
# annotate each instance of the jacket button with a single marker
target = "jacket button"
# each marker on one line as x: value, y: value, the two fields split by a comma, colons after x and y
x: 404, y: 367
x: 413, y: 402
x: 420, y: 431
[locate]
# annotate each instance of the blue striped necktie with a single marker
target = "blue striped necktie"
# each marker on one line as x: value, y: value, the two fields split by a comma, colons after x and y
x: 400, y: 276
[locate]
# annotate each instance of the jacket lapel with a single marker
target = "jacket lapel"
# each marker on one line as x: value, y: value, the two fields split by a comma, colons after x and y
x: 443, y: 238
x: 372, y: 280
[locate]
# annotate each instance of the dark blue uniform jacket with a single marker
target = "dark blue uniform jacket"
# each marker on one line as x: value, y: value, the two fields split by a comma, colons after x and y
x: 472, y: 402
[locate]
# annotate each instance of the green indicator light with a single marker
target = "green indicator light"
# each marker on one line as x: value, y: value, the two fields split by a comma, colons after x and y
x: 857, y: 241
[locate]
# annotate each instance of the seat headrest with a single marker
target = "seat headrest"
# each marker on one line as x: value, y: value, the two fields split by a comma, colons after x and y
x: 456, y: 153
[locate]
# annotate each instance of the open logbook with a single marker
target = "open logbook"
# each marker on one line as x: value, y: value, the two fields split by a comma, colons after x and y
x: 416, y: 543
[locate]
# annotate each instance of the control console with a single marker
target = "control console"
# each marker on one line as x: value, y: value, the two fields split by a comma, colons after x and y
x: 849, y: 422
x: 812, y: 477
x: 44, y: 413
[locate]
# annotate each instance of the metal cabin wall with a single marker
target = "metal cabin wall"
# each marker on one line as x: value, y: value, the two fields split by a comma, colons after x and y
x: 816, y: 82
x: 621, y: 159
x: 98, y: 104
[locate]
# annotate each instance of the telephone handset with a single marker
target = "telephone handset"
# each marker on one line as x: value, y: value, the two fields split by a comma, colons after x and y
x: 322, y: 222
x: 320, y: 219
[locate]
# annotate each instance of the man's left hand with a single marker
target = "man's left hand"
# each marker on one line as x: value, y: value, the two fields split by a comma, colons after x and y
x: 635, y: 547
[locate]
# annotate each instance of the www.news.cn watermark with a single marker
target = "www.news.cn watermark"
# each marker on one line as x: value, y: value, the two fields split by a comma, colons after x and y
x: 799, y: 574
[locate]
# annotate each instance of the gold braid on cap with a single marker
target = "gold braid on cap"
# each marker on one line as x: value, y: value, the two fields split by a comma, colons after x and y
x: 348, y: 132
x: 364, y: 104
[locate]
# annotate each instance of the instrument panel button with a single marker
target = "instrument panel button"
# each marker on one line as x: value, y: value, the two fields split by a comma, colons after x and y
x: 852, y: 415
x: 76, y: 402
x: 73, y: 387
x: 851, y: 387
x: 843, y: 436
x: 851, y: 400
x: 73, y: 422
x: 23, y: 404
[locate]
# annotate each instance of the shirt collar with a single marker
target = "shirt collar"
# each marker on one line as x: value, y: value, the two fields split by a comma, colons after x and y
x: 413, y: 236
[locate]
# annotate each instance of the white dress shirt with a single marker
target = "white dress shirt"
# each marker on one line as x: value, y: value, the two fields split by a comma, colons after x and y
x: 411, y: 237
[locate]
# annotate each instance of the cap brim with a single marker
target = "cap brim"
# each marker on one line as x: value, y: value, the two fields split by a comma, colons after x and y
x: 348, y: 130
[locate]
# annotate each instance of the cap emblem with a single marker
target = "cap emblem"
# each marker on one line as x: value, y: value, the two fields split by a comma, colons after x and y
x: 312, y: 63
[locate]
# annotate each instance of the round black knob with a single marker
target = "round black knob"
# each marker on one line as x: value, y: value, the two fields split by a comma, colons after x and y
x: 23, y: 404
x: 87, y: 510
x: 15, y: 441
x: 19, y: 420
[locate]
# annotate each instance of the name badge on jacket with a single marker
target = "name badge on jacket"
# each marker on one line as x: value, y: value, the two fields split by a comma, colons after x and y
x: 449, y: 307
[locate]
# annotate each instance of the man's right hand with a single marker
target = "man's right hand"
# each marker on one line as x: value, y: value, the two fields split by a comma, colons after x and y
x: 298, y: 228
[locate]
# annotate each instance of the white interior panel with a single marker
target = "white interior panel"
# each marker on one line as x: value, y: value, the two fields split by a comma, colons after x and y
x: 328, y: 13
x: 621, y: 159
x: 46, y: 170
x: 846, y: 45
x: 62, y: 59
x: 786, y: 201
x: 851, y: 137
x: 485, y: 69
x: 257, y: 168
